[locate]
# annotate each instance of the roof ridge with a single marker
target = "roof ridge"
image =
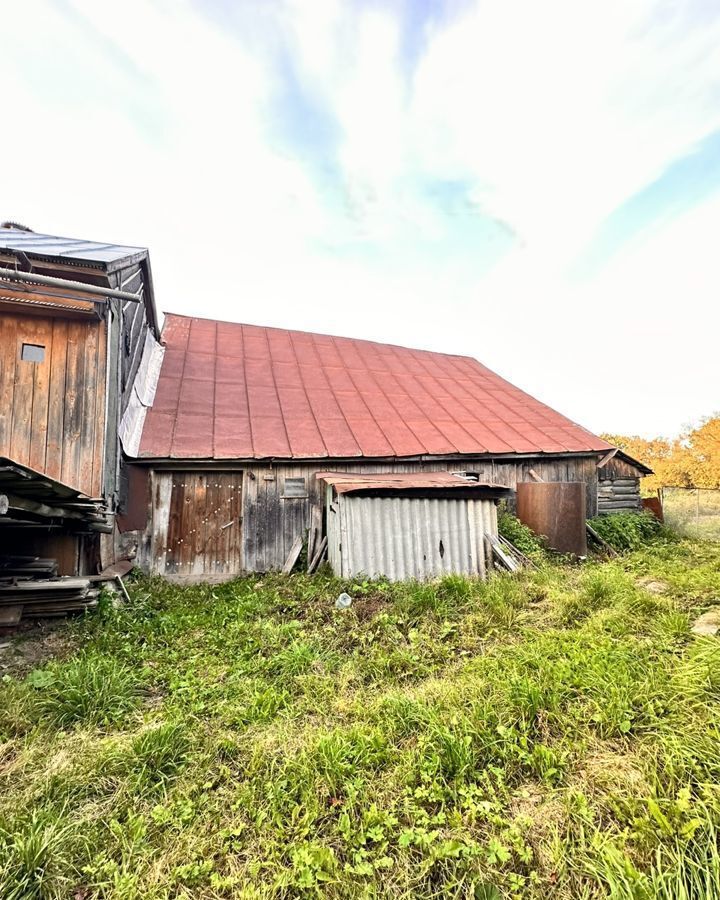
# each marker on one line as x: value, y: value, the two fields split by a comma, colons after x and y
x: 341, y: 337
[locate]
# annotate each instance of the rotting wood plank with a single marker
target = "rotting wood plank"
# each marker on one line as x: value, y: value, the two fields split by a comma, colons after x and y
x: 293, y: 555
x: 40, y: 399
x: 8, y: 363
x: 91, y: 382
x: 501, y: 555
x: 74, y: 375
x: 319, y: 553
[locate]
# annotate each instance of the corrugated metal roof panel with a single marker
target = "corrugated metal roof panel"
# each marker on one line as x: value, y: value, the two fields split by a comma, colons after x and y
x: 72, y: 248
x: 310, y: 396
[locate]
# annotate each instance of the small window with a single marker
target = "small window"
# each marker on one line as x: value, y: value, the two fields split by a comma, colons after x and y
x: 294, y: 487
x: 468, y: 476
x: 33, y: 353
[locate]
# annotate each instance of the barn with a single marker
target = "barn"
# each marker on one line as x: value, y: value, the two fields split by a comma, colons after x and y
x: 79, y: 343
x: 246, y: 418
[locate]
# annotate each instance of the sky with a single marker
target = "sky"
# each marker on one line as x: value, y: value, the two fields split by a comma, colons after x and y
x: 536, y: 185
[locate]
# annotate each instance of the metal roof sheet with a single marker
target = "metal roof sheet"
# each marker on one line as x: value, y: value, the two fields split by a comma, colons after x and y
x: 352, y: 482
x: 71, y: 248
x: 233, y: 391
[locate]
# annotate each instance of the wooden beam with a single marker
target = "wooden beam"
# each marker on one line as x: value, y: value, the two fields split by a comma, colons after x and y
x: 606, y: 459
x: 534, y: 475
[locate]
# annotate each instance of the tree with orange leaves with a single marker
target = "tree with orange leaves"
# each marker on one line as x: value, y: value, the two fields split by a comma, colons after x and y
x: 690, y: 460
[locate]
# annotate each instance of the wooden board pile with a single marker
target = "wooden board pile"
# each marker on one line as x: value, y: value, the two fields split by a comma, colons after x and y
x: 31, y: 588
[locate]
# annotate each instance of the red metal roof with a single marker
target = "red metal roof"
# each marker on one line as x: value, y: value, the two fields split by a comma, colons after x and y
x: 231, y: 391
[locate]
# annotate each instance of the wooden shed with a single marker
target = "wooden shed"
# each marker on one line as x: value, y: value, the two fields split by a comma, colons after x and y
x: 245, y: 418
x: 78, y: 334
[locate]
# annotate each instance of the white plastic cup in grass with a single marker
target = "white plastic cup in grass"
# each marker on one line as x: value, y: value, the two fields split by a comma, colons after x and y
x: 344, y: 601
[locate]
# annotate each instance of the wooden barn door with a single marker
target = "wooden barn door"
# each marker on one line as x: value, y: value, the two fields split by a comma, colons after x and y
x: 204, y: 535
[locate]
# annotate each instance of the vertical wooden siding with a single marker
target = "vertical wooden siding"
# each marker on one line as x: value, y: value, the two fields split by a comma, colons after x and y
x: 52, y: 413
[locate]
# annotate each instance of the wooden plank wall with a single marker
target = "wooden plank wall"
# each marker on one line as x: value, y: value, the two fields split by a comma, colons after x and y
x: 52, y: 413
x: 272, y: 521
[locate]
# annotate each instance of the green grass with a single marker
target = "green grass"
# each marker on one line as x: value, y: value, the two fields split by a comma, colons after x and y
x: 552, y: 734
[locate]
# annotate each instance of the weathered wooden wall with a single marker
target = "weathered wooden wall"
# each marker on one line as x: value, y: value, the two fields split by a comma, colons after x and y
x: 273, y: 515
x: 52, y: 413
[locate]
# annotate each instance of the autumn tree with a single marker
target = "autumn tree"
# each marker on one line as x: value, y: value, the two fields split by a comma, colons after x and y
x: 690, y: 460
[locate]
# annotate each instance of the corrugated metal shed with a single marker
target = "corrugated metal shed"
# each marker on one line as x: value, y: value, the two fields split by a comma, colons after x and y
x: 232, y: 391
x: 51, y: 246
x: 400, y: 538
x: 374, y: 528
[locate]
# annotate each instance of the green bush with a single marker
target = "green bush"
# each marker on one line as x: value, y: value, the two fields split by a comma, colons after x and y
x: 522, y: 537
x: 627, y: 530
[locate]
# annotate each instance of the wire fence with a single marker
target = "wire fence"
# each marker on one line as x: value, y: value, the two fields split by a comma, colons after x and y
x: 694, y: 512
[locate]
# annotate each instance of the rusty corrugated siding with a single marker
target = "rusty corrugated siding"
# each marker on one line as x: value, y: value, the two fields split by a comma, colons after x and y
x: 403, y: 538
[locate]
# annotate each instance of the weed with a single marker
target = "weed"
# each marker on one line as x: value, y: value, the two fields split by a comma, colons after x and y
x: 88, y: 689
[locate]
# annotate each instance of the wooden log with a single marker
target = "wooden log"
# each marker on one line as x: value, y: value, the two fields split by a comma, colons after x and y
x: 293, y: 555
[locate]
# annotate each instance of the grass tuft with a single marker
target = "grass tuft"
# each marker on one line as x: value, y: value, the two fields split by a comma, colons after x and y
x: 88, y: 689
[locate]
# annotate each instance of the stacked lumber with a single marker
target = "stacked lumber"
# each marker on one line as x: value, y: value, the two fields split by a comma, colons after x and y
x: 28, y: 567
x: 31, y: 588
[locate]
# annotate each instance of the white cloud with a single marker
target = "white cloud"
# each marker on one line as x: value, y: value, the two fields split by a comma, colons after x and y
x: 147, y: 124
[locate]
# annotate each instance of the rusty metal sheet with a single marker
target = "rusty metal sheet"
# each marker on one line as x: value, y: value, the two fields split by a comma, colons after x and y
x: 353, y: 482
x: 556, y: 510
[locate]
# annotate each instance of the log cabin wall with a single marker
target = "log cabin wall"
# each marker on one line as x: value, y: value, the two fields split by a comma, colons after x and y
x: 618, y: 487
x: 52, y: 402
x: 277, y: 499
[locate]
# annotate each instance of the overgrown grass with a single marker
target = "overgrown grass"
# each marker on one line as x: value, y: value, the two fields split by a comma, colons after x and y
x: 552, y: 734
x: 629, y: 530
